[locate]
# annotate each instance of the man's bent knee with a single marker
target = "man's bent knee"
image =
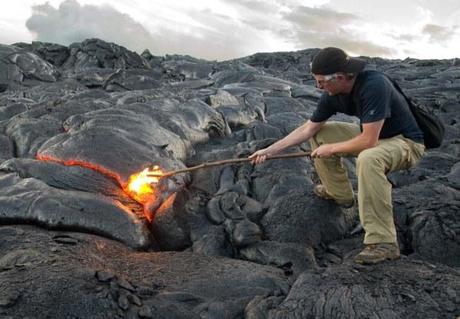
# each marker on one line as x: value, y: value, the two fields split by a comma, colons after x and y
x: 369, y: 158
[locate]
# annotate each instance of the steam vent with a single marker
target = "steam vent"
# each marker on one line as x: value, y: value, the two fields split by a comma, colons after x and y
x: 90, y: 228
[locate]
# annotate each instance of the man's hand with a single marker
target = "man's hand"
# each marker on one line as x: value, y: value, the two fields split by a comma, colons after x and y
x: 325, y: 150
x: 259, y: 156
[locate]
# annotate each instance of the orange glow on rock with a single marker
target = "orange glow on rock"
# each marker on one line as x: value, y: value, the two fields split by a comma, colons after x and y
x: 151, y: 208
x: 166, y: 204
x: 81, y: 163
x: 144, y: 187
x: 140, y: 186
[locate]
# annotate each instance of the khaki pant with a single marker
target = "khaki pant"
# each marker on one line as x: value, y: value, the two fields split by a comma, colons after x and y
x: 372, y: 165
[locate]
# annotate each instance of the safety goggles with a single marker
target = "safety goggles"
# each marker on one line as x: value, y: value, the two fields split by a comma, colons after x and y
x: 326, y: 78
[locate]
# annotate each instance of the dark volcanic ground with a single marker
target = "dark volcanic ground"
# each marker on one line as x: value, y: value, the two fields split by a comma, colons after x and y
x: 227, y: 242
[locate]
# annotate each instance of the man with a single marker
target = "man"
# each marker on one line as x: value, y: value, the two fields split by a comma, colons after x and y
x: 387, y: 139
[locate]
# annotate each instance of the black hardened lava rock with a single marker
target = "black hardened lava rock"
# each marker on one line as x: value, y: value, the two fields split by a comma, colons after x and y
x: 234, y: 241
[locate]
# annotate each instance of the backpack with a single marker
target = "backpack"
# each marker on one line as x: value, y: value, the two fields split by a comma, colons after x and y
x: 428, y: 122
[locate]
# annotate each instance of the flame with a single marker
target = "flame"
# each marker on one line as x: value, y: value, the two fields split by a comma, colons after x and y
x: 142, y: 185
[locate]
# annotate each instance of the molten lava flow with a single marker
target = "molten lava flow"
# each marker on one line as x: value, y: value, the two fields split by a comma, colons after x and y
x: 81, y: 163
x: 141, y: 186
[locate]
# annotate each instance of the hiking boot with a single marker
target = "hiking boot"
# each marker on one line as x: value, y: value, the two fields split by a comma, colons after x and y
x: 321, y: 192
x: 376, y: 253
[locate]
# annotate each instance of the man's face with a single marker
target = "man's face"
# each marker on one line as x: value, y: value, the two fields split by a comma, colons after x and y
x: 330, y: 83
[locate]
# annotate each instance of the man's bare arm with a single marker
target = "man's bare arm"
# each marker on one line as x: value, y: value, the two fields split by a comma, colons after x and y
x: 299, y: 135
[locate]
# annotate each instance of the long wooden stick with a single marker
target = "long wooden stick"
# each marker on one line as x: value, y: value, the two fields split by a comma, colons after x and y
x: 228, y: 161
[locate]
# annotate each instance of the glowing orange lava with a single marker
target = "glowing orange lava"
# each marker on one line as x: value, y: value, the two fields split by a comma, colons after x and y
x: 141, y: 186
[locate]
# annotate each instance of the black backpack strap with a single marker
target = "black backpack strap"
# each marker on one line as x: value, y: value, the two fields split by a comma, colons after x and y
x: 398, y: 88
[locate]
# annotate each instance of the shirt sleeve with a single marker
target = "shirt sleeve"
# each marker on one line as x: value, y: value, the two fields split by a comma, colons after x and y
x: 375, y: 101
x: 324, y: 110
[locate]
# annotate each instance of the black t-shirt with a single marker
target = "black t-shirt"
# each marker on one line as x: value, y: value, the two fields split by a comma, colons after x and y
x: 373, y: 98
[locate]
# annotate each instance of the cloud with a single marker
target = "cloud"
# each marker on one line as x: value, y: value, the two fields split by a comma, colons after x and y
x: 427, y: 40
x: 320, y: 19
x: 10, y: 33
x: 322, y: 27
x: 206, y: 34
x: 72, y: 22
x: 256, y: 6
x: 406, y: 37
x: 220, y: 39
x: 439, y: 33
x: 234, y: 28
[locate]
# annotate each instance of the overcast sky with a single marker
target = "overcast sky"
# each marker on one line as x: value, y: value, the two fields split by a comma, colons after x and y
x: 226, y: 29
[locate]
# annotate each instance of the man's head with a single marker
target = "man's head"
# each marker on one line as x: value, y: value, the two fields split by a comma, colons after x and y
x: 332, y: 60
x: 333, y: 70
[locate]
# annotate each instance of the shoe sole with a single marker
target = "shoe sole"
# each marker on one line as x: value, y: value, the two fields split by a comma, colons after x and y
x: 366, y: 262
x: 326, y: 196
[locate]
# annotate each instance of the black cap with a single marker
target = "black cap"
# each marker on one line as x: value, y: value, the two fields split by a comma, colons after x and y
x: 331, y: 60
